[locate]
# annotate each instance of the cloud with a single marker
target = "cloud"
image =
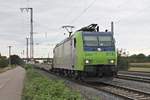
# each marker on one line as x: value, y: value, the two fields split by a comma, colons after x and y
x: 131, y: 18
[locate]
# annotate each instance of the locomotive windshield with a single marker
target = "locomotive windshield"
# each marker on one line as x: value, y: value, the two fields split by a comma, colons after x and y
x: 97, y: 40
x: 105, y: 40
x: 90, y: 41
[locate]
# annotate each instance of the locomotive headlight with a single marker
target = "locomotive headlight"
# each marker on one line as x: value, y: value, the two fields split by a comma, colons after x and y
x: 99, y: 49
x: 87, y: 61
x: 112, y: 61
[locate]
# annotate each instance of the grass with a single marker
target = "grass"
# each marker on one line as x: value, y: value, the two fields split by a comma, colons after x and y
x: 4, y: 69
x: 140, y: 65
x: 39, y: 87
x: 139, y: 69
x: 143, y: 67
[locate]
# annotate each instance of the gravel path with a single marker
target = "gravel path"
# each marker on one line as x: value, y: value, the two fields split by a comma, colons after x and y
x: 11, y: 84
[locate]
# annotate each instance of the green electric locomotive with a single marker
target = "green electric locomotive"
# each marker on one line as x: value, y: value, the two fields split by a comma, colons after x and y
x: 87, y: 53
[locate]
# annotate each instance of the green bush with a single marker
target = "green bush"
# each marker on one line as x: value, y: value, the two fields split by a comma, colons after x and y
x: 3, y: 62
x: 16, y: 60
x: 38, y: 87
x: 123, y: 63
x: 27, y: 66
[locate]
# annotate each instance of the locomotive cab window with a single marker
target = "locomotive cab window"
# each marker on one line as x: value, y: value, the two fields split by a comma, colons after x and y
x: 105, y: 40
x: 90, y: 41
x: 98, y: 40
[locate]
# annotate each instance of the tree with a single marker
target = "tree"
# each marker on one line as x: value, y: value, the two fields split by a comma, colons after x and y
x: 15, y: 59
x: 139, y: 58
x: 122, y: 62
x: 141, y: 55
x: 3, y: 61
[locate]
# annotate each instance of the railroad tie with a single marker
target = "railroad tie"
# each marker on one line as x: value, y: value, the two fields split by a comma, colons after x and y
x: 145, y: 98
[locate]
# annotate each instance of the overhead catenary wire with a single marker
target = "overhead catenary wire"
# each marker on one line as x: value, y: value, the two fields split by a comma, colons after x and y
x: 45, y: 26
x: 89, y: 6
x: 118, y: 7
x: 84, y: 11
x: 128, y: 16
x: 138, y: 12
x: 56, y: 36
x: 68, y: 13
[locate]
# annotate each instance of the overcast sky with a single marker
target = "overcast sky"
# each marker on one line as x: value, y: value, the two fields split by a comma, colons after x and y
x: 131, y: 19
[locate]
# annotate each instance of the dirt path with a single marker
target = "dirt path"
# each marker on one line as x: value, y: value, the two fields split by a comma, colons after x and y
x: 11, y: 84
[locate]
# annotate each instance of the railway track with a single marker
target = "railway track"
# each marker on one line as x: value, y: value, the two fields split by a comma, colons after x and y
x: 124, y: 92
x: 116, y: 90
x: 135, y: 73
x: 135, y: 76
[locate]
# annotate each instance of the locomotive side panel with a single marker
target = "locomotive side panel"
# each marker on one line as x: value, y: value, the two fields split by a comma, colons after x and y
x: 67, y: 54
x: 58, y: 56
x: 63, y: 55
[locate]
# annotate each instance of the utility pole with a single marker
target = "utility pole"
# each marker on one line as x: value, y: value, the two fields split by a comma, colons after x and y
x: 112, y: 27
x: 67, y: 27
x: 27, y: 54
x: 31, y: 31
x: 9, y: 47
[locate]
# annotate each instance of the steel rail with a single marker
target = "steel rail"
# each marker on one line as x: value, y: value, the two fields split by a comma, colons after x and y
x: 124, y: 92
x: 132, y: 77
x: 135, y: 73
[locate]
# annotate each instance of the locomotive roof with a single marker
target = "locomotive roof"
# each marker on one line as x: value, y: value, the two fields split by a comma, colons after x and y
x: 68, y: 38
x: 97, y: 33
x: 84, y: 33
